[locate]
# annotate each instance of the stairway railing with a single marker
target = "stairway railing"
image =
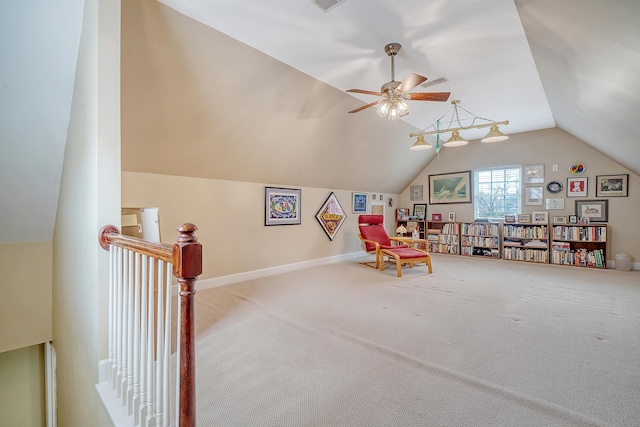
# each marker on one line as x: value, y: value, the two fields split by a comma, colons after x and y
x: 140, y: 325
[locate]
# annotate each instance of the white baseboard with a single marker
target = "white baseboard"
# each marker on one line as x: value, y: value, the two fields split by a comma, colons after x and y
x: 215, y: 282
x: 634, y: 265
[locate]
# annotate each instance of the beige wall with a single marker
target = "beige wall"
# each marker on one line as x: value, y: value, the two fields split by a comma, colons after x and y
x: 230, y: 220
x: 25, y: 294
x: 89, y: 198
x: 549, y: 147
x: 22, y: 387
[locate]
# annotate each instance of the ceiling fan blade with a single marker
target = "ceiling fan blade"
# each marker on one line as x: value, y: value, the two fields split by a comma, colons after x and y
x: 429, y: 96
x: 366, y: 106
x: 411, y: 81
x: 366, y: 92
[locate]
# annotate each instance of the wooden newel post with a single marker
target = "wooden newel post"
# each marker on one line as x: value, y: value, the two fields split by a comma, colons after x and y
x: 187, y: 266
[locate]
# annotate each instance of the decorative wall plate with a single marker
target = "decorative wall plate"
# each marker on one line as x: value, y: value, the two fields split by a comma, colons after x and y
x: 554, y: 187
x: 577, y: 168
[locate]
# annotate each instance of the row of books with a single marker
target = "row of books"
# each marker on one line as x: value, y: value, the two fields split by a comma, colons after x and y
x: 525, y: 232
x: 521, y: 254
x: 487, y: 242
x: 580, y: 257
x: 583, y: 233
x: 450, y: 239
x: 480, y: 229
x: 450, y: 228
x: 443, y: 248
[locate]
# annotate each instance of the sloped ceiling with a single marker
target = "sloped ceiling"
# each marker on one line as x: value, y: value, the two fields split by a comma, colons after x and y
x: 537, y: 63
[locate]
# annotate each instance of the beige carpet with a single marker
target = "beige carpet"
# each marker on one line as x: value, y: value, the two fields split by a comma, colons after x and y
x: 480, y: 342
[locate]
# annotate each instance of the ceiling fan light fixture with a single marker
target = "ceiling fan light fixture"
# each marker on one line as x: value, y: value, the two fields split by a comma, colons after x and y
x: 494, y: 135
x: 403, y: 108
x: 456, y: 140
x: 420, y: 144
x: 383, y: 109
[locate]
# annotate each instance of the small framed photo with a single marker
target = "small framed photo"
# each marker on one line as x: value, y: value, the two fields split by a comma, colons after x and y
x: 534, y: 174
x: 577, y: 187
x: 554, y: 203
x: 573, y: 219
x: 402, y: 214
x: 510, y: 218
x: 533, y: 196
x: 452, y: 217
x: 436, y: 217
x: 282, y: 206
x: 612, y: 185
x: 420, y: 210
x: 373, y: 197
x: 360, y: 203
x: 416, y: 192
x: 524, y: 218
x: 594, y: 210
x: 559, y: 219
x: 540, y: 217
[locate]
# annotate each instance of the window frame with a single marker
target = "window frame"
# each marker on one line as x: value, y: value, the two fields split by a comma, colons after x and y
x: 478, y: 194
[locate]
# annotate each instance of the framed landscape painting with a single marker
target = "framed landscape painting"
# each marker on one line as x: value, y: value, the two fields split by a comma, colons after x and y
x: 450, y: 187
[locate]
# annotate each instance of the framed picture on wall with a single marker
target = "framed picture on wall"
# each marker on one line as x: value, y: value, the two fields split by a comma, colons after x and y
x: 331, y: 216
x: 593, y: 210
x: 612, y: 185
x: 420, y: 210
x: 534, y: 174
x: 452, y: 187
x: 577, y: 187
x: 360, y: 203
x: 282, y: 206
x: 416, y: 192
x: 533, y: 196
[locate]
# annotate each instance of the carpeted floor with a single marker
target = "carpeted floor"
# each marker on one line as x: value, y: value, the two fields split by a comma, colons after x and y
x: 480, y: 342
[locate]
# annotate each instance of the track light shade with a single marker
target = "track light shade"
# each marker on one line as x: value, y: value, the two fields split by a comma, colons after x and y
x: 495, y: 135
x: 420, y: 144
x: 456, y: 140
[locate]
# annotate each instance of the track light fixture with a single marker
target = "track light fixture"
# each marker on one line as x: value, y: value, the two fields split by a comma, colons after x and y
x: 456, y: 140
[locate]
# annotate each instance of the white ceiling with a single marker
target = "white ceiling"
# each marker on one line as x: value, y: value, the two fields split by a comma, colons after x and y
x: 536, y: 63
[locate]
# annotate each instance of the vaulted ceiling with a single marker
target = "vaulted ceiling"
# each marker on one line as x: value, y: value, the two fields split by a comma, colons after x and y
x: 537, y: 63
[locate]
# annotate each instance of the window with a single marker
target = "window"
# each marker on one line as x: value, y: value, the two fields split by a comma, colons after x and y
x: 497, y: 192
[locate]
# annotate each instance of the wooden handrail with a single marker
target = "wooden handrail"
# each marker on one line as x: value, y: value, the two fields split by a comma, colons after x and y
x: 186, y: 257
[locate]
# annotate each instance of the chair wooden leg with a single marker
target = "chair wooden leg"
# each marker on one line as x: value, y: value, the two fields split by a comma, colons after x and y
x: 399, y: 267
x: 429, y: 265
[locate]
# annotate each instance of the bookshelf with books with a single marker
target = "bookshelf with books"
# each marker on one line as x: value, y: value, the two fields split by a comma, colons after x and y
x: 579, y: 245
x: 480, y: 239
x: 525, y: 242
x: 409, y: 222
x: 443, y: 237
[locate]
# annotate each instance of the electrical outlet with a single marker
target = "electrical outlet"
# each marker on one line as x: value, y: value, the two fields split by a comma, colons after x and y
x: 555, y: 168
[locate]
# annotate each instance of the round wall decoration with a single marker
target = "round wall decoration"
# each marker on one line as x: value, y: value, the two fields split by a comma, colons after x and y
x: 554, y: 187
x: 577, y: 168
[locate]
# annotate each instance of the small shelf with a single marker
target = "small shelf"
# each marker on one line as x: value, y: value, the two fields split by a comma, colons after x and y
x: 443, y: 237
x: 579, y: 245
x: 480, y: 239
x: 525, y: 242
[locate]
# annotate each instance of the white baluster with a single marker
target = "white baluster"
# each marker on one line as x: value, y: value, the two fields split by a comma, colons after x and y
x: 136, y: 341
x: 130, y: 328
x: 167, y: 348
x: 118, y: 343
x: 150, y: 420
x: 160, y: 347
x: 144, y: 301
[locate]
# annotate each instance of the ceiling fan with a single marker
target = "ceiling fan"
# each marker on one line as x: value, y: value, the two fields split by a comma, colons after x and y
x: 394, y: 94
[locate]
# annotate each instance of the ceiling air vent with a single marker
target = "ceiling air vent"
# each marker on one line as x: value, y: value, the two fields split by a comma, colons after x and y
x: 327, y: 5
x: 434, y: 82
